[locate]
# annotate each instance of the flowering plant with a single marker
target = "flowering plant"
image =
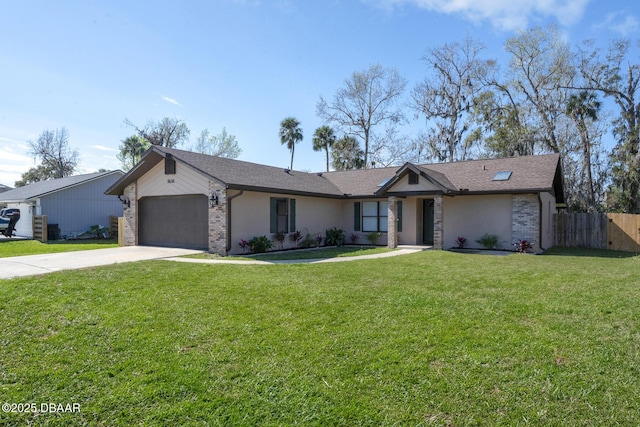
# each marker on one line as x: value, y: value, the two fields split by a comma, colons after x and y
x: 244, y: 245
x: 523, y: 246
x: 354, y: 238
x: 460, y: 241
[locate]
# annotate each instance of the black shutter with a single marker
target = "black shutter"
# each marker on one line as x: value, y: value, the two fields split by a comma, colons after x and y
x: 292, y: 215
x: 356, y: 216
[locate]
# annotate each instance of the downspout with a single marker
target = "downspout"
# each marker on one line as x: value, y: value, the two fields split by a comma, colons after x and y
x: 229, y: 199
x: 540, y: 207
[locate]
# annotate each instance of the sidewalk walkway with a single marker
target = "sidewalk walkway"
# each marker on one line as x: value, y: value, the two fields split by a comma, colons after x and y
x: 400, y: 251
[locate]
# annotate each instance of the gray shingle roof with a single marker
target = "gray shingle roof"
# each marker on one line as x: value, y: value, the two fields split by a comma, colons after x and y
x: 535, y: 173
x: 530, y: 173
x: 235, y: 174
x: 42, y: 188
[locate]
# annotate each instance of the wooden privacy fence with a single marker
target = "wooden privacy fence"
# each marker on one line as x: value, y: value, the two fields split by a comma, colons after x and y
x: 39, y: 228
x: 113, y: 226
x: 618, y: 232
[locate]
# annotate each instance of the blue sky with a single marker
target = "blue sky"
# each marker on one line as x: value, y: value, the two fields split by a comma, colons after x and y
x: 240, y: 64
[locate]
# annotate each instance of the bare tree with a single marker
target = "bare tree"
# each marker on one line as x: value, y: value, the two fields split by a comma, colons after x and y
x: 446, y: 98
x: 52, y: 148
x: 616, y: 77
x: 221, y: 145
x: 369, y: 99
x: 168, y: 132
x: 541, y: 69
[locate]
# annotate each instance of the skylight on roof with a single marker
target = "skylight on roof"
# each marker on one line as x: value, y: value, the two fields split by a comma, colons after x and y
x: 502, y: 176
x: 383, y: 183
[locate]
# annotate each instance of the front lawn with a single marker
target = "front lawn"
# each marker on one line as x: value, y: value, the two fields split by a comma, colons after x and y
x: 10, y: 248
x: 433, y: 338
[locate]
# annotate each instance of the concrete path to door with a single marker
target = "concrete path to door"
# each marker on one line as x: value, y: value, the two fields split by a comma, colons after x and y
x: 30, y: 265
x: 401, y: 250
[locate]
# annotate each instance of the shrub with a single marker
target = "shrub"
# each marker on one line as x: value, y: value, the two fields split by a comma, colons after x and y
x: 280, y: 236
x: 335, y: 237
x: 354, y: 238
x: 244, y: 245
x: 309, y: 241
x: 295, y: 237
x: 460, y: 241
x: 488, y: 241
x: 260, y: 244
x: 373, y: 237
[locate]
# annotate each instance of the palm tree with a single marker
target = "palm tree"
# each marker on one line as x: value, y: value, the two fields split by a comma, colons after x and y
x: 290, y: 134
x: 323, y: 139
x: 582, y: 108
x: 131, y: 151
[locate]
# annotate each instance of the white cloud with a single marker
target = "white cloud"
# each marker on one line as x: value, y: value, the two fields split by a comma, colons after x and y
x: 171, y: 100
x: 620, y: 22
x: 506, y: 15
x: 103, y: 148
x: 14, y: 161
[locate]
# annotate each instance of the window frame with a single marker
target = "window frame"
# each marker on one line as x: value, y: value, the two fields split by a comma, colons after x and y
x: 282, y: 215
x: 381, y: 220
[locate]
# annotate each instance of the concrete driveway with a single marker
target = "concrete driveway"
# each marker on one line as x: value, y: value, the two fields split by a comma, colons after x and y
x: 30, y: 265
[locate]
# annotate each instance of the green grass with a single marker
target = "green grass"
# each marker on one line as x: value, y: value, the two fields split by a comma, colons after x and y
x: 434, y: 338
x: 332, y: 252
x: 10, y: 248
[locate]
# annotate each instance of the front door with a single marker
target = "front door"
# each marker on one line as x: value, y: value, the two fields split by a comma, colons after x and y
x: 427, y: 221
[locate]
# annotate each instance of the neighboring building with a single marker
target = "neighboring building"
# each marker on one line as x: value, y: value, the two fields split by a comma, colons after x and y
x: 74, y: 203
x: 185, y: 199
x: 4, y: 188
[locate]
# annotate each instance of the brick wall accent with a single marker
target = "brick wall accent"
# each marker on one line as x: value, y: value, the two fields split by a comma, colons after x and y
x: 218, y: 220
x: 130, y: 231
x: 525, y: 219
x: 438, y: 222
x: 392, y: 223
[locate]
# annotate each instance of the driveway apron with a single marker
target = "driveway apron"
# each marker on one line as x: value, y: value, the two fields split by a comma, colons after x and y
x: 30, y: 265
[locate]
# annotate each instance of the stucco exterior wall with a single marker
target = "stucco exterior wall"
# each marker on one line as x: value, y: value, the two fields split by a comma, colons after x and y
x: 348, y: 222
x: 546, y: 223
x: 250, y: 214
x: 411, y: 221
x: 473, y: 216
